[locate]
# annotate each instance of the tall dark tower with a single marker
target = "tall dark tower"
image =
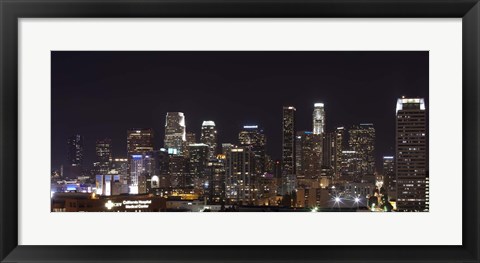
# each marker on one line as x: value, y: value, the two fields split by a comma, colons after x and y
x: 411, y: 155
x: 75, y: 150
x: 288, y: 150
x: 103, y: 154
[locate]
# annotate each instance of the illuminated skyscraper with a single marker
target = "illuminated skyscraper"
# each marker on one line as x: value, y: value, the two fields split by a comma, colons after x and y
x: 191, y: 138
x: 209, y: 137
x: 389, y: 178
x: 215, y: 186
x: 177, y: 167
x: 138, y: 182
x: 288, y: 150
x: 411, y: 155
x: 239, y: 176
x: 253, y: 137
x: 318, y: 118
x: 308, y: 154
x: 362, y: 141
x: 103, y: 154
x: 75, y: 150
x: 175, y: 133
x: 139, y: 141
x: 197, y: 164
x: 339, y: 147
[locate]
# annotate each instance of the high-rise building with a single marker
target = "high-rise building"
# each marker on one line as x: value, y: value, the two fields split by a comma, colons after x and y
x: 308, y: 154
x: 175, y: 133
x: 215, y: 186
x: 75, y: 150
x: 239, y: 179
x: 209, y: 137
x: 177, y: 167
x: 197, y: 165
x: 362, y: 141
x: 389, y: 178
x: 226, y: 147
x: 349, y: 169
x: 328, y: 150
x: 191, y: 138
x: 318, y: 118
x: 254, y: 138
x: 339, y: 147
x: 288, y: 150
x: 138, y: 180
x: 411, y: 155
x: 103, y: 156
x: 139, y: 141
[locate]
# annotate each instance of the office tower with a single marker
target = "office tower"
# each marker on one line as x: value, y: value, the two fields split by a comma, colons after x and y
x: 103, y: 154
x: 75, y: 150
x: 197, y: 164
x: 328, y: 150
x: 349, y: 169
x: 209, y: 137
x: 288, y: 150
x: 318, y: 118
x: 137, y: 182
x: 177, y: 167
x: 120, y: 165
x: 254, y: 138
x: 175, y: 133
x: 340, y: 133
x: 215, y: 186
x: 362, y: 141
x: 238, y: 176
x: 411, y: 155
x: 139, y: 141
x: 389, y: 177
x: 191, y: 138
x: 226, y: 147
x: 308, y: 154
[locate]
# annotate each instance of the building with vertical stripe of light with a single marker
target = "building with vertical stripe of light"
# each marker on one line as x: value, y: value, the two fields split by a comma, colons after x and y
x: 411, y: 155
x: 318, y: 118
x: 288, y: 150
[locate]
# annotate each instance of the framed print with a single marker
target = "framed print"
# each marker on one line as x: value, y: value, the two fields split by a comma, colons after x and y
x: 170, y: 131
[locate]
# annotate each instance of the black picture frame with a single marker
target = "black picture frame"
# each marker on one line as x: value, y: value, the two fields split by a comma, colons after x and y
x: 11, y: 10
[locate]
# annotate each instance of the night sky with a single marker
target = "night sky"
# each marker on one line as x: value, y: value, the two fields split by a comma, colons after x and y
x: 102, y: 94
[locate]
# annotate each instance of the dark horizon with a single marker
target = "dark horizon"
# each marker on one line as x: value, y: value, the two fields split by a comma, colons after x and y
x: 101, y: 94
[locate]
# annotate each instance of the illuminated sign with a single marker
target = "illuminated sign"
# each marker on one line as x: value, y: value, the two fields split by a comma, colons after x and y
x: 318, y: 105
x: 129, y: 204
x: 250, y: 127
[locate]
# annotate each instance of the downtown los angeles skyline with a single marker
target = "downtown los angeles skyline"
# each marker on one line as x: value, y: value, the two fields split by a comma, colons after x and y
x: 103, y: 94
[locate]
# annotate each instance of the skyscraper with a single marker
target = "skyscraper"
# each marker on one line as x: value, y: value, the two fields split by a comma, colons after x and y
x: 288, y: 149
x: 389, y: 178
x: 138, y: 182
x: 238, y: 176
x: 362, y: 141
x: 175, y: 133
x: 339, y: 147
x: 209, y: 137
x: 318, y: 118
x: 197, y: 164
x: 139, y: 141
x: 253, y: 137
x: 411, y: 155
x: 308, y: 155
x: 75, y: 150
x: 103, y: 154
x: 191, y: 138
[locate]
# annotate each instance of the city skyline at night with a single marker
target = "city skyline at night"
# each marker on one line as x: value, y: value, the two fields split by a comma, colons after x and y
x: 298, y: 130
